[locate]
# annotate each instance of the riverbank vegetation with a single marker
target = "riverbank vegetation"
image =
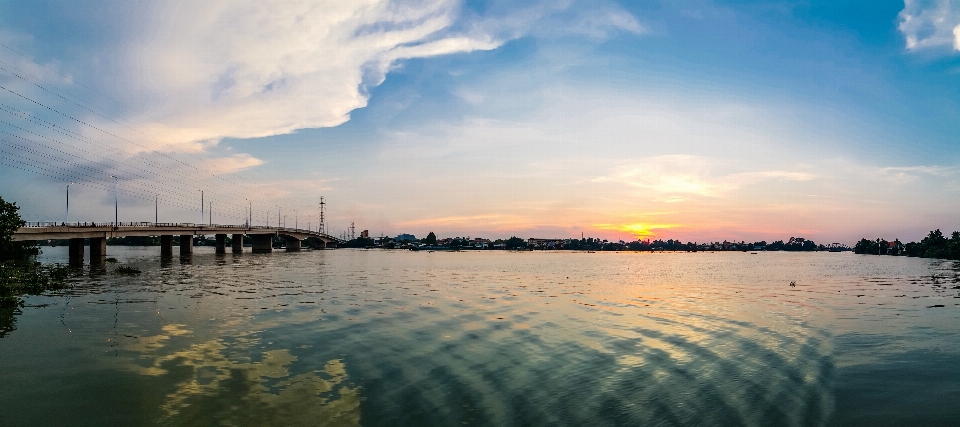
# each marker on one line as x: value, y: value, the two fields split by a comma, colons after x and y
x: 793, y: 244
x: 935, y: 245
x: 10, y: 221
x: 17, y: 279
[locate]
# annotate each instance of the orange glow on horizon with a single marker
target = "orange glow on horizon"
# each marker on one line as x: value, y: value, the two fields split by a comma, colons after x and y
x: 640, y: 230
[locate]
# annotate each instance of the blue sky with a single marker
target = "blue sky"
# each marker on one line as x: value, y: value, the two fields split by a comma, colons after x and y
x: 702, y: 121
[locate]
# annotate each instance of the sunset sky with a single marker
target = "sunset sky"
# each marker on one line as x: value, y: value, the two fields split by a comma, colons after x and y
x: 694, y: 120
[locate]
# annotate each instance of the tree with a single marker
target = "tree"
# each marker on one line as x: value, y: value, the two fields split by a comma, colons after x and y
x: 431, y: 239
x: 515, y: 243
x: 10, y: 221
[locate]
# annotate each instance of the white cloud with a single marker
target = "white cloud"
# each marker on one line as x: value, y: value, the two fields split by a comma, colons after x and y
x: 956, y: 37
x: 929, y: 24
x: 216, y: 69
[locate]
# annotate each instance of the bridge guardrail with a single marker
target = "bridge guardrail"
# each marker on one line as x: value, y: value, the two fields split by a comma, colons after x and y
x: 41, y: 224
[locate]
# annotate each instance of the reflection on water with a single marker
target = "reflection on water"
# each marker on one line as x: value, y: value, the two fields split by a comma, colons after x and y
x: 212, y: 389
x: 399, y: 338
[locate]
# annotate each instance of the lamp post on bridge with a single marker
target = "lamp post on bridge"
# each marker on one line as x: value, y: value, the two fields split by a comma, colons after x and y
x: 116, y: 201
x: 201, y: 206
x: 156, y: 209
x: 296, y: 220
x: 67, y: 219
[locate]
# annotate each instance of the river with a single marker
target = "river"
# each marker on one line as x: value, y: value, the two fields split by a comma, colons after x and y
x: 396, y: 338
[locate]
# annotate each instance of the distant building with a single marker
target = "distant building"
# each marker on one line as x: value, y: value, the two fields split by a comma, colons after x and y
x: 406, y: 238
x: 365, y: 234
x: 544, y: 243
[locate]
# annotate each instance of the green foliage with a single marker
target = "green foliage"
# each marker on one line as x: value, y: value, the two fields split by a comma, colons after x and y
x: 935, y: 245
x: 869, y: 247
x: 10, y: 221
x: 431, y: 239
x: 18, y: 279
x: 359, y: 242
x: 515, y: 243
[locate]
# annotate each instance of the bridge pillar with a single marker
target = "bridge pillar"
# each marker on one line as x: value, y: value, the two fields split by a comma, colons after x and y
x: 237, y: 243
x: 262, y: 243
x: 166, y: 245
x: 76, y: 250
x: 186, y: 244
x: 293, y: 244
x: 98, y: 249
x: 330, y: 245
x: 221, y: 243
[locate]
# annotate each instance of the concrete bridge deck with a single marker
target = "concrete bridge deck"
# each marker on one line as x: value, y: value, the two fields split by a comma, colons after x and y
x: 261, y: 236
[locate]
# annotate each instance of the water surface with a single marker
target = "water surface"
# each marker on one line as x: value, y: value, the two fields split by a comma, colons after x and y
x: 356, y: 337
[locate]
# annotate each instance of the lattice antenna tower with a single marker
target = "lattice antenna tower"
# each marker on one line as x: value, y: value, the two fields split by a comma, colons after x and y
x: 352, y: 229
x: 323, y: 208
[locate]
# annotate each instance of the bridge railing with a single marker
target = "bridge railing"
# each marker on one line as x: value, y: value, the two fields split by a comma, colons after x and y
x: 36, y: 224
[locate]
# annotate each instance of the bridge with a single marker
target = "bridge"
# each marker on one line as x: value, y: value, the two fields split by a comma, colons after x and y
x: 76, y: 233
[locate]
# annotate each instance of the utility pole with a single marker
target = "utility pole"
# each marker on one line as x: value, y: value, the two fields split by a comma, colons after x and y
x: 278, y: 216
x: 211, y: 213
x: 201, y: 207
x: 156, y: 209
x: 323, y: 205
x: 296, y: 220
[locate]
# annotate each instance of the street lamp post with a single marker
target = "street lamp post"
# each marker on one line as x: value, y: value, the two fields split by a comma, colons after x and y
x: 67, y: 219
x: 201, y: 207
x: 156, y: 209
x: 116, y: 201
x: 296, y: 220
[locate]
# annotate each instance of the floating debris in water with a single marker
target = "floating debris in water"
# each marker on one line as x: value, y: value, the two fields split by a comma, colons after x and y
x: 127, y: 271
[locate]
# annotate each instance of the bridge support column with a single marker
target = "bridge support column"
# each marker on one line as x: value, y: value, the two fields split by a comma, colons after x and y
x: 237, y: 243
x: 186, y: 244
x: 221, y: 243
x: 166, y: 245
x: 262, y: 243
x: 293, y: 244
x: 330, y: 245
x: 76, y: 250
x: 98, y: 249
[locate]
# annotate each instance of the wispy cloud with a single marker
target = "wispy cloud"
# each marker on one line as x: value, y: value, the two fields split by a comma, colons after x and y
x: 678, y: 175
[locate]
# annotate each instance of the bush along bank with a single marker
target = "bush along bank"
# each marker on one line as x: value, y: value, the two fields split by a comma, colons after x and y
x: 17, y: 279
x: 935, y: 245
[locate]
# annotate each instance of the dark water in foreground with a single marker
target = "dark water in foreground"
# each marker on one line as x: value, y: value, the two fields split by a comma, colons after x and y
x: 351, y: 337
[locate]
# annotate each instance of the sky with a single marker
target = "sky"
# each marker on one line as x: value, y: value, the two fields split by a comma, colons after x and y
x: 697, y: 120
